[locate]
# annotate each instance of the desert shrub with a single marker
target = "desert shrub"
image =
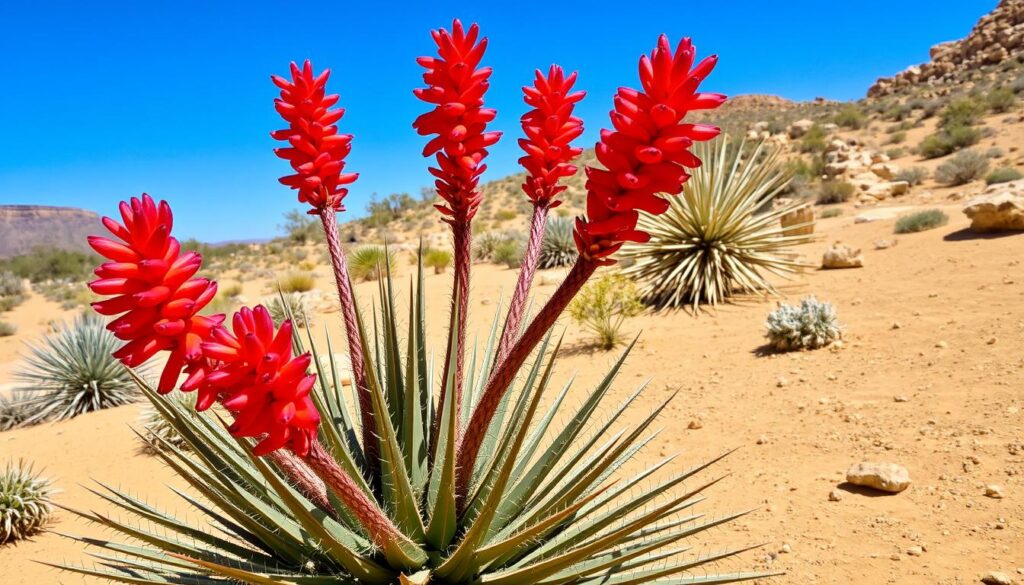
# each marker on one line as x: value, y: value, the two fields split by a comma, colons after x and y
x: 71, y: 371
x: 12, y: 291
x: 995, y: 152
x: 897, y: 112
x: 721, y: 234
x: 439, y: 260
x: 296, y: 282
x: 831, y: 212
x: 301, y: 227
x: 912, y: 175
x: 45, y: 263
x: 231, y: 290
x: 505, y: 214
x: 948, y: 140
x: 603, y: 305
x: 921, y: 221
x: 814, y: 140
x: 558, y: 248
x: 1003, y: 175
x: 850, y: 116
x: 158, y: 434
x: 965, y: 167
x: 964, y: 111
x: 370, y: 262
x: 509, y: 253
x: 13, y: 410
x: 1018, y: 84
x: 1001, y: 100
x: 24, y: 501
x: 7, y: 329
x: 898, y: 137
x: 487, y: 243
x: 70, y: 294
x: 810, y: 325
x: 835, y: 192
x: 292, y: 306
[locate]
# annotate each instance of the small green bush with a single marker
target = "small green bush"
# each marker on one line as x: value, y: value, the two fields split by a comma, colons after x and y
x: 44, y: 263
x: 810, y: 325
x: 298, y: 282
x: 912, y: 175
x: 948, y: 140
x: 603, y: 305
x: 370, y: 262
x: 835, y: 192
x: 850, y: 116
x: 25, y: 504
x: 831, y: 212
x: 963, y: 168
x: 898, y: 137
x: 505, y: 214
x: 965, y: 111
x: 293, y: 306
x: 439, y: 260
x: 921, y: 221
x: 1003, y: 175
x: 232, y: 290
x: 509, y: 253
x: 814, y: 140
x: 1001, y: 100
x: 487, y: 243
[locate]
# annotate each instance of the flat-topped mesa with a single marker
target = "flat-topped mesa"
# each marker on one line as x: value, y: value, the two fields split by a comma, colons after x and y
x: 997, y: 37
x: 25, y: 227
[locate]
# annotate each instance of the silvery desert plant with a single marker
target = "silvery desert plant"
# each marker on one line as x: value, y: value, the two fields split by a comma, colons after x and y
x: 722, y: 237
x: 810, y: 325
x: 468, y: 473
x: 292, y: 306
x: 24, y: 501
x: 558, y: 247
x: 13, y: 410
x: 71, y: 371
x: 158, y: 432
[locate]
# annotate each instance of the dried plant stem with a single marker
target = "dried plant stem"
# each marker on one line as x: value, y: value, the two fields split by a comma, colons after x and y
x: 303, y: 479
x: 463, y: 236
x: 517, y: 306
x: 505, y: 372
x: 378, y: 526
x: 371, y: 447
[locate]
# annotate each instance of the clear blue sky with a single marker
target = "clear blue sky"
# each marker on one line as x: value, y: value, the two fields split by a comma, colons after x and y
x: 103, y: 100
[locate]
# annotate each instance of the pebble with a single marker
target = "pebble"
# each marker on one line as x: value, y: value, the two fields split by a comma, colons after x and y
x: 781, y: 383
x: 763, y: 439
x: 996, y: 578
x: 835, y: 496
x: 695, y: 424
x: 942, y: 345
x: 915, y: 551
x: 994, y: 491
x: 991, y: 341
x: 896, y: 325
x: 786, y: 549
x: 887, y: 477
x: 900, y: 398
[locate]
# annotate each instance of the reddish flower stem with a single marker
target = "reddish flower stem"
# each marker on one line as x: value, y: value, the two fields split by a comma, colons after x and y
x: 503, y: 375
x: 378, y: 526
x: 303, y: 479
x: 371, y: 447
x: 517, y: 306
x: 463, y: 236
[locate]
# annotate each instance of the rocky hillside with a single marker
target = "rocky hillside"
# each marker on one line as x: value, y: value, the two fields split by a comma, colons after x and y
x: 997, y: 37
x: 24, y: 227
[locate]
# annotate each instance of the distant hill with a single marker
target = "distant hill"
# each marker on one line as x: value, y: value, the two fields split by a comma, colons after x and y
x: 24, y: 227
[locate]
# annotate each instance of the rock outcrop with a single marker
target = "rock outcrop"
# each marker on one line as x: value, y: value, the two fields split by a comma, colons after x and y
x: 868, y: 170
x: 998, y: 36
x: 999, y: 208
x: 24, y: 227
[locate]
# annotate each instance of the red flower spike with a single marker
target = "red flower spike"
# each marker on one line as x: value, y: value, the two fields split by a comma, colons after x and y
x: 647, y: 153
x: 261, y: 383
x: 152, y: 288
x: 315, y: 149
x: 550, y: 128
x: 456, y: 87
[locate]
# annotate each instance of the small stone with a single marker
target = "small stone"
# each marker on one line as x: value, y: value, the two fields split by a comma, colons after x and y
x: 763, y: 439
x: 991, y: 341
x: 786, y: 549
x: 994, y: 491
x: 915, y: 551
x: 835, y: 496
x: 895, y: 557
x: 841, y: 256
x: 942, y: 345
x: 996, y: 578
x: 900, y: 398
x: 896, y: 325
x: 887, y: 477
x: 781, y: 382
x: 695, y: 424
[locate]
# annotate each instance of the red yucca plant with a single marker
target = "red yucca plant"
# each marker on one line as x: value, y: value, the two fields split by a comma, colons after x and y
x: 413, y: 477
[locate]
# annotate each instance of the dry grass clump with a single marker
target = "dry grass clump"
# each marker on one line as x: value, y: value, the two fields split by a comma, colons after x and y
x: 921, y: 221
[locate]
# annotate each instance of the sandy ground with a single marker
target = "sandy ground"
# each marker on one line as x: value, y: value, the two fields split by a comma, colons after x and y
x: 799, y: 420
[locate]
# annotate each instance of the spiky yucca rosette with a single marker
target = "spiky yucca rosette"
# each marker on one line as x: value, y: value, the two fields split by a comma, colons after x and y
x: 302, y: 486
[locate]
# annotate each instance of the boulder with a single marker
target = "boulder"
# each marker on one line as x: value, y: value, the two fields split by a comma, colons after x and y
x: 1001, y: 210
x: 802, y: 217
x: 886, y: 477
x: 842, y: 256
x: 800, y: 127
x: 885, y: 170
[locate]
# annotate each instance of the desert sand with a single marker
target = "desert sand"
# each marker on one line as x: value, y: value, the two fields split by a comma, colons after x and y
x: 929, y: 376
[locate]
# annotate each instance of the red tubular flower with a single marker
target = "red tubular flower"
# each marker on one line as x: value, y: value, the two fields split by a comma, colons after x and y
x: 550, y: 128
x: 262, y: 384
x: 151, y: 282
x: 317, y: 152
x: 648, y: 151
x: 459, y: 120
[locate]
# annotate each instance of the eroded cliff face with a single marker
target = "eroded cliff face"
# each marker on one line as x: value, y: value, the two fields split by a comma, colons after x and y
x: 24, y: 227
x: 998, y: 36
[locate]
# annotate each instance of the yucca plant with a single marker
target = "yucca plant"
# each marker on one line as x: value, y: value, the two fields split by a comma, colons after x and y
x: 25, y: 505
x: 157, y: 430
x: 407, y: 477
x: 558, y: 247
x: 369, y: 262
x: 722, y: 236
x: 71, y: 371
x: 13, y: 411
x: 290, y: 306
